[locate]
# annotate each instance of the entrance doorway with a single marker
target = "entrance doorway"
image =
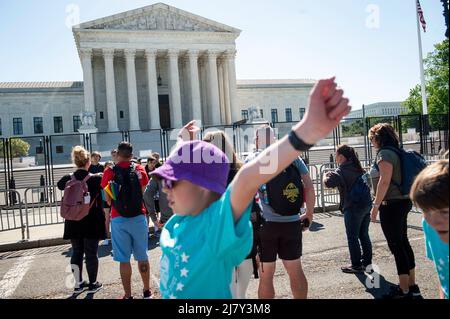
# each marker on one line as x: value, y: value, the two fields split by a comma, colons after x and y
x: 164, y: 111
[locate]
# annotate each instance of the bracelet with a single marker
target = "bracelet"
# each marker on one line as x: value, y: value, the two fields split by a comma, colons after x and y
x: 298, y: 143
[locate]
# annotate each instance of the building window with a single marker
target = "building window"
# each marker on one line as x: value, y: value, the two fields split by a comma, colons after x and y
x: 302, y: 112
x: 59, y: 149
x: 288, y: 115
x: 121, y: 114
x: 102, y: 116
x: 261, y: 113
x: 274, y: 116
x: 76, y: 123
x: 58, y: 124
x: 38, y: 125
x: 244, y: 114
x: 17, y: 126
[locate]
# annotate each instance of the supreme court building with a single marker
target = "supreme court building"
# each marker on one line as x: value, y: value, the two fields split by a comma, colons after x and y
x: 150, y: 68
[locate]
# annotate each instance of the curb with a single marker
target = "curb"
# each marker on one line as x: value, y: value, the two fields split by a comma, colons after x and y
x: 40, y: 243
x: 24, y: 245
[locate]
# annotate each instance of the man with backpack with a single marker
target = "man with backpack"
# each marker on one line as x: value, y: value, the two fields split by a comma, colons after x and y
x: 282, y: 201
x: 123, y: 186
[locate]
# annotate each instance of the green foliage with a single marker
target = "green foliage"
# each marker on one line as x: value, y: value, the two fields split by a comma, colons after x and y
x: 436, y: 78
x: 19, y: 148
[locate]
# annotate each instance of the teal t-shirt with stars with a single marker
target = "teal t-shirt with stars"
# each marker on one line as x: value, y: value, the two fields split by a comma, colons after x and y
x: 437, y: 251
x: 200, y: 252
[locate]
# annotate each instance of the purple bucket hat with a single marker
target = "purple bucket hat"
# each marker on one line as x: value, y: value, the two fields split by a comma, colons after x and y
x: 198, y: 162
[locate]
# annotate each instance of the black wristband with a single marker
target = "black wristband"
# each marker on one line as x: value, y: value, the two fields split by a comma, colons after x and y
x: 298, y: 143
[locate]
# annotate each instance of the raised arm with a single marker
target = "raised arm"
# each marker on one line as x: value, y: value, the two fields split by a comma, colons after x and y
x: 326, y: 108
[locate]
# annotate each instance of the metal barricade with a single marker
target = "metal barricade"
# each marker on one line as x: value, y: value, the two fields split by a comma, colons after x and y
x: 315, y: 178
x: 41, y: 206
x: 11, y: 214
x: 329, y: 197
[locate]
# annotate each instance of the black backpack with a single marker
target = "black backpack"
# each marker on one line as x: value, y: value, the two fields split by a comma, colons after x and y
x: 286, y: 192
x: 129, y: 200
x: 358, y: 194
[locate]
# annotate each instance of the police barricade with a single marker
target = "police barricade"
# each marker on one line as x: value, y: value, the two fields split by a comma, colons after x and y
x: 11, y: 213
x: 41, y: 206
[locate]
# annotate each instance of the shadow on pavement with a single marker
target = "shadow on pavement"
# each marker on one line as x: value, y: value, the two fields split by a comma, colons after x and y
x: 375, y: 284
x: 105, y: 251
x: 315, y: 227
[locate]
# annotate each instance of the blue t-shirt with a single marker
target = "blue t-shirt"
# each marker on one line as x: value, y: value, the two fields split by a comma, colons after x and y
x: 200, y: 252
x: 437, y: 251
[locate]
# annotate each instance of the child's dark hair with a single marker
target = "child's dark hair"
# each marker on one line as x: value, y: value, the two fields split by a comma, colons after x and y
x: 349, y: 153
x: 430, y: 189
x: 125, y: 150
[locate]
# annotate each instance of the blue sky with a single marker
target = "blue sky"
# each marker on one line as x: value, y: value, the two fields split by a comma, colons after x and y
x: 281, y: 39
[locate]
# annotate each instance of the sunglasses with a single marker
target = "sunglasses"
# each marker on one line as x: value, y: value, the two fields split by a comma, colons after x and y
x: 166, y: 183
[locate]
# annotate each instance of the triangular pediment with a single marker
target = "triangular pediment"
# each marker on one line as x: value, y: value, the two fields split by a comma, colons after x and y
x: 157, y: 17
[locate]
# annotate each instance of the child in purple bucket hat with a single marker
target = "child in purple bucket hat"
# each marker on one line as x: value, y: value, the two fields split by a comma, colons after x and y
x: 210, y: 232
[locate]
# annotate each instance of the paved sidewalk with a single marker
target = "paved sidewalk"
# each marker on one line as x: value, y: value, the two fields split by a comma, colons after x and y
x: 44, y: 272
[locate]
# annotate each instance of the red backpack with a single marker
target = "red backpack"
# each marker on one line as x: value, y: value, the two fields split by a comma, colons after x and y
x: 76, y: 202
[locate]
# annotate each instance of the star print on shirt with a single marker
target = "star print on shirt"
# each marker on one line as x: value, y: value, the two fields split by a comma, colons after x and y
x: 184, y: 258
x: 180, y: 287
x: 184, y: 272
x: 172, y: 297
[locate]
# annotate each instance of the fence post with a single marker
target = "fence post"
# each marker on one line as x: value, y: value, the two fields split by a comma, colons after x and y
x: 12, y: 195
x: 400, y: 130
x: 42, y: 183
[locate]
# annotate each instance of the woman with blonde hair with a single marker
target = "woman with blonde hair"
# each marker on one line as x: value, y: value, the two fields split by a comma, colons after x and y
x: 86, y: 233
x: 221, y: 141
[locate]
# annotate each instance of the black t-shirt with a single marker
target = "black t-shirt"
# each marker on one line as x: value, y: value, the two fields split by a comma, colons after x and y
x: 95, y: 169
x: 93, y: 225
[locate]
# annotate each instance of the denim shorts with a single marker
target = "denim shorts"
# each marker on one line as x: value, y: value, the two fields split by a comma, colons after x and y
x: 129, y: 236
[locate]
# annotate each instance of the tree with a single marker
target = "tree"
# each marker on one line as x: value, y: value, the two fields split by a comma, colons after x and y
x: 352, y: 129
x: 436, y: 80
x: 19, y: 148
x: 445, y: 4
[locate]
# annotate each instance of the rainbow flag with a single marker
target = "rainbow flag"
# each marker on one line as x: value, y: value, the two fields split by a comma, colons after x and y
x: 108, y: 191
x: 114, y: 189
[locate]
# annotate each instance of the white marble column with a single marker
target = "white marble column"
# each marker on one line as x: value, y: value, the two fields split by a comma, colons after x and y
x: 130, y: 55
x: 232, y: 86
x: 223, y: 118
x: 226, y: 91
x: 86, y: 63
x: 214, y: 99
x: 153, y: 99
x: 195, y: 85
x: 108, y: 55
x: 174, y: 87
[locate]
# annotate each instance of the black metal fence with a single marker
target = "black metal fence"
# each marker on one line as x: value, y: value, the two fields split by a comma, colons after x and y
x: 41, y: 160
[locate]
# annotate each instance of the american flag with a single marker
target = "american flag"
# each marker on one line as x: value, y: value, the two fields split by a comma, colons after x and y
x: 421, y: 17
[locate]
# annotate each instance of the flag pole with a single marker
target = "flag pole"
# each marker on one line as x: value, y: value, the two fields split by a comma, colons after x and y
x: 422, y: 72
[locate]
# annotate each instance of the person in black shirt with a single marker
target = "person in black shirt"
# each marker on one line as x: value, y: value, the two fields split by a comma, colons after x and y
x: 86, y: 233
x: 96, y: 167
